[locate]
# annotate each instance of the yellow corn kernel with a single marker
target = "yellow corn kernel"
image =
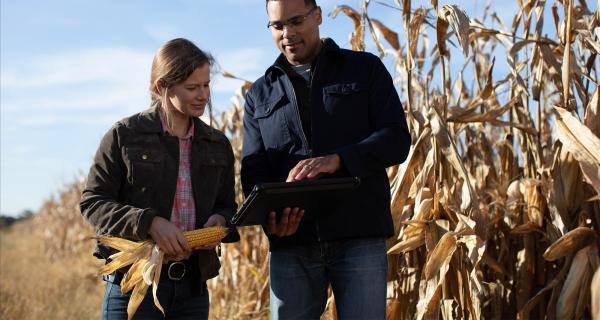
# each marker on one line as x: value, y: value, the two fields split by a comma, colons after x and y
x: 196, y: 238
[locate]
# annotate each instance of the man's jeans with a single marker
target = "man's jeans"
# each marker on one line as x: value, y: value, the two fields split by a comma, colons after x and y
x: 174, y: 296
x: 356, y: 270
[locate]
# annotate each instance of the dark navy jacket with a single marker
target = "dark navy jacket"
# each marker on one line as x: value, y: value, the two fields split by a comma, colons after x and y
x: 356, y: 113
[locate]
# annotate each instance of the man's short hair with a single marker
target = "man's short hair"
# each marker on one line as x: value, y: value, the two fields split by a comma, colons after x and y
x: 306, y: 2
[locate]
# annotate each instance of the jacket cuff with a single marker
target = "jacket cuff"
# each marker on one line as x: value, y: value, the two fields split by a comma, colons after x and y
x: 233, y: 236
x: 144, y: 221
x: 350, y: 160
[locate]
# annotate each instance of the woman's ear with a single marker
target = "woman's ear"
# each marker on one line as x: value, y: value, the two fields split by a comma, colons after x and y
x: 158, y: 85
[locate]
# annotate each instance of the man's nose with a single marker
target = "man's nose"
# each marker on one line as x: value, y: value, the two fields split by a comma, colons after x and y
x: 288, y: 31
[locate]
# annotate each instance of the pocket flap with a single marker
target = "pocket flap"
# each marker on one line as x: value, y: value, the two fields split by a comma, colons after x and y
x: 213, y: 159
x: 265, y: 109
x: 343, y: 88
x: 141, y: 154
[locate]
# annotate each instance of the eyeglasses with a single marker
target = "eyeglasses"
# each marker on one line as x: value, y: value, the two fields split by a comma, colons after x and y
x: 291, y: 22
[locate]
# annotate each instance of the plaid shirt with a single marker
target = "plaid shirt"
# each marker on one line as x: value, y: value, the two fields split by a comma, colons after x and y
x: 183, y: 214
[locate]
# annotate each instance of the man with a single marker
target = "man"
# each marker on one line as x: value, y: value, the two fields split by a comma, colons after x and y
x: 323, y: 111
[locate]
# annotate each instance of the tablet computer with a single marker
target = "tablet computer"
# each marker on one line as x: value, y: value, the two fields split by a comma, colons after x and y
x: 306, y: 194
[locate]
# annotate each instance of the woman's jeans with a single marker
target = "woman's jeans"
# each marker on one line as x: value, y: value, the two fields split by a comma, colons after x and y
x: 175, y: 296
x: 356, y: 270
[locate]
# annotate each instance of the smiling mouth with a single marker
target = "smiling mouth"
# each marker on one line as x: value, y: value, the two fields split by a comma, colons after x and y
x: 292, y: 44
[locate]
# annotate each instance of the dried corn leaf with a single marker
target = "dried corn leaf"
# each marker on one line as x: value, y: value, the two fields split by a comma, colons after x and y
x: 441, y: 255
x: 133, y: 275
x: 458, y: 19
x: 569, y: 294
x: 357, y: 36
x: 582, y: 143
x: 138, y: 294
x: 566, y: 74
x: 409, y: 244
x: 247, y: 84
x: 592, y: 113
x: 402, y: 183
x: 441, y: 31
x: 414, y: 30
x: 126, y: 258
x: 375, y: 38
x: 119, y: 244
x: 449, y: 150
x: 388, y: 34
x: 595, y: 294
x: 488, y: 115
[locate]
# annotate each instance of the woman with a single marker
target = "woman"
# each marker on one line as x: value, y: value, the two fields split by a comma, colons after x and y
x: 159, y: 173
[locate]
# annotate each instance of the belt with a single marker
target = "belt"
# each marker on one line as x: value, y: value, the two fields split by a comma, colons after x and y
x: 173, y: 270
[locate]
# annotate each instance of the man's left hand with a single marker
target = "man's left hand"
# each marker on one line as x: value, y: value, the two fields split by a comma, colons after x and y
x: 214, y: 220
x: 314, y: 167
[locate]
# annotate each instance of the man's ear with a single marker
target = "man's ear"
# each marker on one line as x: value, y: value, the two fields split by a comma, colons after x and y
x: 319, y: 15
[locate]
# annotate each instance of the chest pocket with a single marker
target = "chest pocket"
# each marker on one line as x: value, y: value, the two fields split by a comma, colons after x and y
x: 346, y: 101
x: 143, y: 166
x: 208, y: 177
x: 273, y: 123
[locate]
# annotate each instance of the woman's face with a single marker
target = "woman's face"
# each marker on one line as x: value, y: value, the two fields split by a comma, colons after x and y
x: 189, y: 98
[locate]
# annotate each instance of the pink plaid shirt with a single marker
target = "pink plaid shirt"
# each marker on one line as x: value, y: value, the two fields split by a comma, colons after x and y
x: 183, y: 214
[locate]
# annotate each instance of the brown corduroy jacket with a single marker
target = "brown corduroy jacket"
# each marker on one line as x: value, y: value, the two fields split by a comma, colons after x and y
x: 134, y: 175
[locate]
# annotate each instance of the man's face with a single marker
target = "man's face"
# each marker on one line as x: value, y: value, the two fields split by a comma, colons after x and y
x: 295, y: 29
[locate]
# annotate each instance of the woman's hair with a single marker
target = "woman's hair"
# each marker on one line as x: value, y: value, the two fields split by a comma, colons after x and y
x: 173, y: 63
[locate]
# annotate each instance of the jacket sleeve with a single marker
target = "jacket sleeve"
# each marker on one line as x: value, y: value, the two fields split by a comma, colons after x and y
x: 389, y: 142
x: 225, y: 204
x: 255, y: 165
x: 100, y: 197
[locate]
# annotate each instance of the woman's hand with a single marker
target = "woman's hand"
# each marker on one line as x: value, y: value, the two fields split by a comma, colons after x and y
x: 214, y: 220
x: 169, y: 239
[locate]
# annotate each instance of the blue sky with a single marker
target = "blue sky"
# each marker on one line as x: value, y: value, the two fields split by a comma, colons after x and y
x: 70, y: 69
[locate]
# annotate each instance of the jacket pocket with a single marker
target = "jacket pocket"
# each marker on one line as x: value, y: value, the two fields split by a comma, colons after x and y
x: 346, y: 101
x: 208, y: 179
x: 213, y: 159
x: 143, y: 166
x: 273, y: 123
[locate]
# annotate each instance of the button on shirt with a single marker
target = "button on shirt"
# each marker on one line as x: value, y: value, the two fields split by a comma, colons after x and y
x: 183, y: 214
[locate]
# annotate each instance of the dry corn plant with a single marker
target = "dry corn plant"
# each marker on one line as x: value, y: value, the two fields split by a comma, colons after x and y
x: 242, y: 289
x: 497, y: 207
x: 61, y: 225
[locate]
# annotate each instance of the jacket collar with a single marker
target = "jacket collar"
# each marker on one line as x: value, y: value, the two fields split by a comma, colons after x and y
x: 329, y: 48
x: 149, y: 122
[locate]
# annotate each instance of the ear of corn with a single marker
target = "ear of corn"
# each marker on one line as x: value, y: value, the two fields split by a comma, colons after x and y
x: 146, y: 261
x: 569, y: 243
x: 204, y: 236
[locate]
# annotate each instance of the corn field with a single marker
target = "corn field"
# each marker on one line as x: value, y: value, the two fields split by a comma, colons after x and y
x: 497, y: 208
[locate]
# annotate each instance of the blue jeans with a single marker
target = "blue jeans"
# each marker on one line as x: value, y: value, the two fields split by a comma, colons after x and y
x: 356, y: 270
x: 175, y: 297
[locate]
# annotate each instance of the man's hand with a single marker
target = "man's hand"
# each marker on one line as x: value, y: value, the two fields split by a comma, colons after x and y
x: 214, y: 220
x: 169, y: 239
x: 313, y: 167
x: 288, y: 224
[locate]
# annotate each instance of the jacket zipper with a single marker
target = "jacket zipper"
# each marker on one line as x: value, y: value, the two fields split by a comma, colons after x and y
x: 299, y: 120
x: 310, y: 89
x: 297, y: 109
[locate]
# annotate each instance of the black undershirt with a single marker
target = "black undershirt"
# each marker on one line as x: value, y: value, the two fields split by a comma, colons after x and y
x: 302, y: 90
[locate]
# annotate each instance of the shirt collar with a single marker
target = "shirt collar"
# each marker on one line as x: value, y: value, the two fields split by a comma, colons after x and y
x: 167, y: 131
